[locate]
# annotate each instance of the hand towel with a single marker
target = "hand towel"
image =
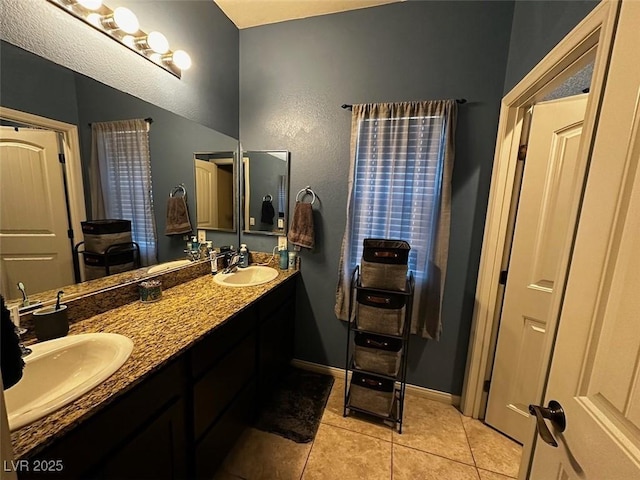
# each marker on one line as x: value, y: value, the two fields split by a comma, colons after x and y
x: 302, y: 232
x: 267, y: 212
x: 177, y: 217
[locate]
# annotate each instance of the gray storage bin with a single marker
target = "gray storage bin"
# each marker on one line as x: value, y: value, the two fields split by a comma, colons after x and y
x: 371, y: 393
x: 101, y: 234
x: 380, y: 312
x: 377, y: 354
x: 384, y: 264
x: 95, y: 264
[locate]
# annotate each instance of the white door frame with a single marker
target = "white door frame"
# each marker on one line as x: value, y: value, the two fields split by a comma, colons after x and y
x: 73, y: 165
x: 591, y: 38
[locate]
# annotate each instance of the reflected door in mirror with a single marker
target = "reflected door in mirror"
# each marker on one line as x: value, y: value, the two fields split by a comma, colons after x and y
x: 33, y: 229
x: 214, y: 190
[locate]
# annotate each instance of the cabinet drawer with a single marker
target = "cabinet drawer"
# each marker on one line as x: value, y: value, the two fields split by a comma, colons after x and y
x: 217, y: 388
x: 219, y: 342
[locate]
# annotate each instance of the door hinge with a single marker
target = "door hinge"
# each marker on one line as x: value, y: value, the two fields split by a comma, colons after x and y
x: 70, y: 233
x: 522, y: 152
x: 61, y: 158
x: 486, y: 385
x: 503, y: 277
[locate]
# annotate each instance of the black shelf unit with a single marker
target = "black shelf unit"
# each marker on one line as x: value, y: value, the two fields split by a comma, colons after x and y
x: 399, y: 380
x: 109, y: 253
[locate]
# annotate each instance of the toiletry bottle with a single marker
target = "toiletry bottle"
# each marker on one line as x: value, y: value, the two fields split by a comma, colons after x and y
x: 292, y: 260
x: 214, y: 261
x: 284, y: 259
x: 244, y: 256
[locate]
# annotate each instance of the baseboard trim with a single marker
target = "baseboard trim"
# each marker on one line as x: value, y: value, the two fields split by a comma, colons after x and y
x: 338, y: 373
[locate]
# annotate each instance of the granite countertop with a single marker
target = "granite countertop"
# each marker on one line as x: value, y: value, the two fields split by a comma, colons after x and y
x: 160, y: 331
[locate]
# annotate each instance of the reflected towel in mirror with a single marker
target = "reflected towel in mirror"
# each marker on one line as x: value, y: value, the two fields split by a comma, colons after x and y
x: 177, y: 217
x: 267, y: 213
x: 302, y: 232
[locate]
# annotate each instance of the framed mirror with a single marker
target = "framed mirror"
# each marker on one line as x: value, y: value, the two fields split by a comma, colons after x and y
x: 265, y: 192
x: 215, y: 177
x: 77, y: 100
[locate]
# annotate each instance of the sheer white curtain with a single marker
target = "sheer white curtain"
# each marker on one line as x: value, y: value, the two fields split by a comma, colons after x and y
x: 400, y: 188
x: 120, y: 178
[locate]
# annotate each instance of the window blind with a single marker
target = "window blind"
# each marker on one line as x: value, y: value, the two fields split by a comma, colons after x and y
x: 129, y: 194
x: 397, y: 181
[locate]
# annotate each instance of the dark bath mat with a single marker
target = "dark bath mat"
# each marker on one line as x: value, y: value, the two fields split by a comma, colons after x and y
x: 296, y: 407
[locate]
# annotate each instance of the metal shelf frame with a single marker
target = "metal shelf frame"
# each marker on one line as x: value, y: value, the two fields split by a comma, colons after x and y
x: 400, y: 380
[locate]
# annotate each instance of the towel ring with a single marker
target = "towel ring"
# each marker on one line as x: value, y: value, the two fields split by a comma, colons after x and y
x: 267, y: 198
x: 177, y: 189
x: 306, y: 191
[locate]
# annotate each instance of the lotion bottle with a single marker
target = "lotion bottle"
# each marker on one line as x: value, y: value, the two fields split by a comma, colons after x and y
x: 244, y: 256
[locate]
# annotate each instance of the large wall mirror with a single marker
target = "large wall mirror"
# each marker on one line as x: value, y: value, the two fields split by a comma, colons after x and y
x: 215, y: 176
x: 79, y: 100
x: 265, y: 192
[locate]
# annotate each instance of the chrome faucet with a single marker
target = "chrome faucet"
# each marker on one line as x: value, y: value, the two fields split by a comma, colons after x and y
x: 192, y: 255
x: 234, y: 261
x: 24, y: 351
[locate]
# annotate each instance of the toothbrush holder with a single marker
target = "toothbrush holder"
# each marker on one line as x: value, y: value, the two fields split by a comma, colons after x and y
x: 51, y: 323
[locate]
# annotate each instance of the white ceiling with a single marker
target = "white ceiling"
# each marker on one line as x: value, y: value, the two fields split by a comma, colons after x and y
x: 251, y: 13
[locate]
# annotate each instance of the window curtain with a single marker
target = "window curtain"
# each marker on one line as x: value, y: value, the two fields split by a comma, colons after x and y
x: 400, y: 188
x: 120, y: 180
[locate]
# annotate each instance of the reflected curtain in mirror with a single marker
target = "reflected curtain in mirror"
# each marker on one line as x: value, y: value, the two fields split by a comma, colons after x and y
x: 400, y: 188
x: 120, y: 180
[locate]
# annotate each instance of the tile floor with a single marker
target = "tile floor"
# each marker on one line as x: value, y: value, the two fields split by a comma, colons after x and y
x: 437, y: 443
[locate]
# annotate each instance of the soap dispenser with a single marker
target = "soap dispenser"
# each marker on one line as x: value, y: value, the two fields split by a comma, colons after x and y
x: 244, y: 256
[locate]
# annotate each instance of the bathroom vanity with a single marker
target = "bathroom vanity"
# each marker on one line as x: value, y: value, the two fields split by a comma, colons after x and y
x: 204, y: 359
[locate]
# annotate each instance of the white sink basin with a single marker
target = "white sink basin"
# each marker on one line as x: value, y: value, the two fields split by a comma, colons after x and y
x: 247, y: 277
x: 61, y: 370
x: 163, y: 267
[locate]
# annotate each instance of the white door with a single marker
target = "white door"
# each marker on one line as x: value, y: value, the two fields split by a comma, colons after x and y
x: 206, y: 194
x: 551, y: 181
x: 595, y: 370
x: 34, y: 245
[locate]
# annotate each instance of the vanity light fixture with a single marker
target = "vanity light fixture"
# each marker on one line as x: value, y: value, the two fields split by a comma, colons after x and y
x: 121, y: 24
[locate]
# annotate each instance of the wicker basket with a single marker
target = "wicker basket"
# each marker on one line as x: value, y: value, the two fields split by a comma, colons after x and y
x: 377, y: 354
x: 101, y: 234
x: 380, y: 312
x: 384, y: 264
x: 371, y: 393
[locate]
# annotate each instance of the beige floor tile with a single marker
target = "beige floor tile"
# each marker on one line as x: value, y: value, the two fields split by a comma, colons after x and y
x: 339, y: 454
x: 411, y: 464
x: 493, y: 451
x: 435, y: 428
x: 333, y: 415
x: 259, y: 455
x: 486, y: 475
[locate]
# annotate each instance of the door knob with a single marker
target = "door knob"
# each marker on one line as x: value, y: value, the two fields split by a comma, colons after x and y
x: 554, y: 413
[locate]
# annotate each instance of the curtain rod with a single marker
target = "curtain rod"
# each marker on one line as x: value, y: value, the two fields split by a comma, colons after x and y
x: 458, y: 100
x: 148, y: 120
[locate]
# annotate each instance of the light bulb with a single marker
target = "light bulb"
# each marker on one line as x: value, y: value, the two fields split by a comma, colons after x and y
x: 181, y: 59
x: 126, y: 20
x: 129, y: 41
x: 90, y: 4
x: 156, y: 57
x: 95, y: 19
x: 158, y: 42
